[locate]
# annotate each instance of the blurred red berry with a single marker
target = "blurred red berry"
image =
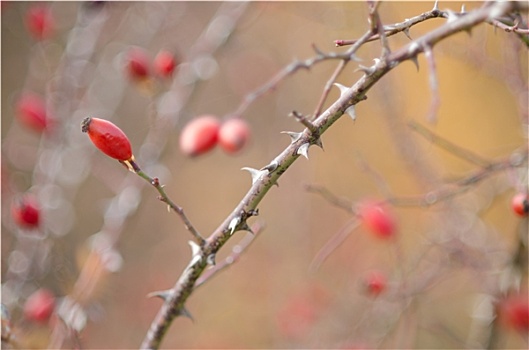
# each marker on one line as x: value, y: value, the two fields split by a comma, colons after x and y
x: 233, y: 135
x: 520, y: 204
x: 164, y: 63
x: 137, y: 64
x: 39, y: 306
x: 25, y: 211
x: 106, y: 136
x: 377, y: 219
x: 39, y: 22
x: 514, y: 312
x: 199, y: 135
x: 375, y: 282
x: 31, y: 111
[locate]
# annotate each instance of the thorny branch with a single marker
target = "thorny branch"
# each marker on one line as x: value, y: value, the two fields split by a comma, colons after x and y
x: 263, y: 180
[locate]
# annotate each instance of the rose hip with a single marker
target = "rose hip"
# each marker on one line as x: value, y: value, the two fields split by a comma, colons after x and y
x: 25, y: 211
x: 39, y: 306
x: 377, y: 219
x: 39, y: 22
x: 520, y: 204
x: 199, y: 135
x: 164, y: 63
x: 31, y: 111
x: 106, y: 136
x: 233, y: 135
x: 137, y: 64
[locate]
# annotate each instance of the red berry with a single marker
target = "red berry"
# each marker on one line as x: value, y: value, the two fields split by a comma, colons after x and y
x: 39, y: 21
x: 164, y: 63
x: 137, y: 64
x: 514, y: 312
x: 39, y: 306
x: 199, y: 135
x: 106, y: 136
x: 233, y: 135
x: 375, y: 283
x: 25, y: 211
x: 31, y: 111
x: 520, y: 204
x: 377, y: 219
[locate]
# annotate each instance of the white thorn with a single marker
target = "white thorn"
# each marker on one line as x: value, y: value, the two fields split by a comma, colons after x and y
x: 233, y: 224
x: 162, y: 294
x: 303, y: 150
x: 463, y: 8
x: 407, y: 33
x: 415, y: 60
x: 195, y: 253
x: 294, y: 136
x: 436, y: 5
x: 351, y: 111
x: 342, y: 88
x: 211, y: 259
x: 256, y: 174
x: 271, y: 167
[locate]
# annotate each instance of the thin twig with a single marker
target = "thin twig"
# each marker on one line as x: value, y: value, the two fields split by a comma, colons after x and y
x: 449, y: 146
x: 165, y: 198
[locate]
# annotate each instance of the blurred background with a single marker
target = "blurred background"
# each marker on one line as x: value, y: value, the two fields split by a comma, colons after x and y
x: 105, y: 241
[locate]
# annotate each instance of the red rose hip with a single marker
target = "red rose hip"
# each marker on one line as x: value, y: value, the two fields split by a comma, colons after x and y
x: 31, y: 111
x: 199, y: 135
x: 39, y: 306
x: 164, y: 63
x: 25, y: 211
x: 377, y: 219
x: 520, y: 204
x: 137, y: 64
x: 233, y: 135
x: 106, y: 136
x: 39, y: 22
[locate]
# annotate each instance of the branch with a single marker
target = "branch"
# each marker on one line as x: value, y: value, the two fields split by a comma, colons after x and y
x: 174, y: 303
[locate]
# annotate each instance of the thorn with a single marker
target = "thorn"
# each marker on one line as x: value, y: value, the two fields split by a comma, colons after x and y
x: 233, y: 224
x: 162, y: 294
x: 168, y: 208
x: 342, y: 88
x: 184, y: 312
x: 318, y: 143
x: 407, y: 33
x: 436, y: 5
x: 256, y: 174
x: 271, y: 167
x: 195, y: 252
x: 351, y: 111
x: 366, y: 70
x: 452, y: 16
x: 304, y: 150
x: 294, y: 136
x: 245, y: 227
x: 463, y: 8
x: 253, y: 212
x: 415, y: 61
x: 211, y: 259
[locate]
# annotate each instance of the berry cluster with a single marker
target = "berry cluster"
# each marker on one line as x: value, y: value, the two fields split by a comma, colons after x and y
x: 201, y: 134
x: 138, y: 66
